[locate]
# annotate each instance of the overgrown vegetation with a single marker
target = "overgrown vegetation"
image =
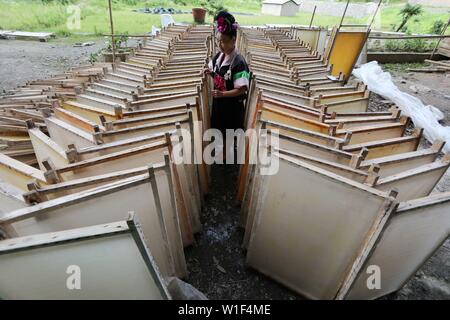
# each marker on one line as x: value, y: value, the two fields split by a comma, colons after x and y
x: 409, y: 45
x: 437, y: 27
x: 94, y: 57
x: 120, y: 43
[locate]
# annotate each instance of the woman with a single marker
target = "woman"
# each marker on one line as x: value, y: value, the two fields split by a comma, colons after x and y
x: 231, y: 78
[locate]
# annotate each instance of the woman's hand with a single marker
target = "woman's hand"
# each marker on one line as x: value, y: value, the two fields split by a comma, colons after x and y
x: 217, y: 94
x: 206, y: 71
x: 230, y: 93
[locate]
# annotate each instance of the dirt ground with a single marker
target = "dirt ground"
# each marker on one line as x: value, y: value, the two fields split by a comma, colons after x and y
x: 22, y: 61
x: 216, y: 261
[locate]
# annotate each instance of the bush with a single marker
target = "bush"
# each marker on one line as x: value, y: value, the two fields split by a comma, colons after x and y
x: 63, y: 33
x: 409, y: 45
x: 437, y: 27
x: 94, y: 57
x: 415, y: 45
x: 391, y: 45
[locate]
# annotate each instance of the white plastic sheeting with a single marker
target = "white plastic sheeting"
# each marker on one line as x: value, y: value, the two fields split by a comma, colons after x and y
x: 155, y: 30
x: 423, y: 116
x: 166, y: 19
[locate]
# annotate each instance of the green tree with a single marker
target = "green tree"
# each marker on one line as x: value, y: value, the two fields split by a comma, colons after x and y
x: 408, y: 12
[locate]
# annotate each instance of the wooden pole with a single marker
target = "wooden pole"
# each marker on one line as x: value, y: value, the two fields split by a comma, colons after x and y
x: 345, y: 12
x: 312, y: 18
x: 113, y: 44
x: 375, y: 14
x: 440, y: 39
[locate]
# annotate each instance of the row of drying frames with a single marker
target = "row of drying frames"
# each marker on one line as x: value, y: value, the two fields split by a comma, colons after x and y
x: 104, y: 193
x: 349, y: 213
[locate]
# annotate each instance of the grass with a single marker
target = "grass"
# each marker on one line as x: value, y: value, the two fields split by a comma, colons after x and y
x: 402, y: 67
x: 32, y: 15
x: 422, y: 24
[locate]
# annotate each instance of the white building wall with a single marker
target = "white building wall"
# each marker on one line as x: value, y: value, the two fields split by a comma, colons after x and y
x: 289, y: 9
x: 271, y: 9
x: 334, y: 8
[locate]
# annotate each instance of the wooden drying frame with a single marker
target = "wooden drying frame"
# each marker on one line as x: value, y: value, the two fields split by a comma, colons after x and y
x: 130, y: 226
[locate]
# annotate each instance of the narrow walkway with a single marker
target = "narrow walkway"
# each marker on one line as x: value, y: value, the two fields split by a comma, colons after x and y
x: 216, y: 262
